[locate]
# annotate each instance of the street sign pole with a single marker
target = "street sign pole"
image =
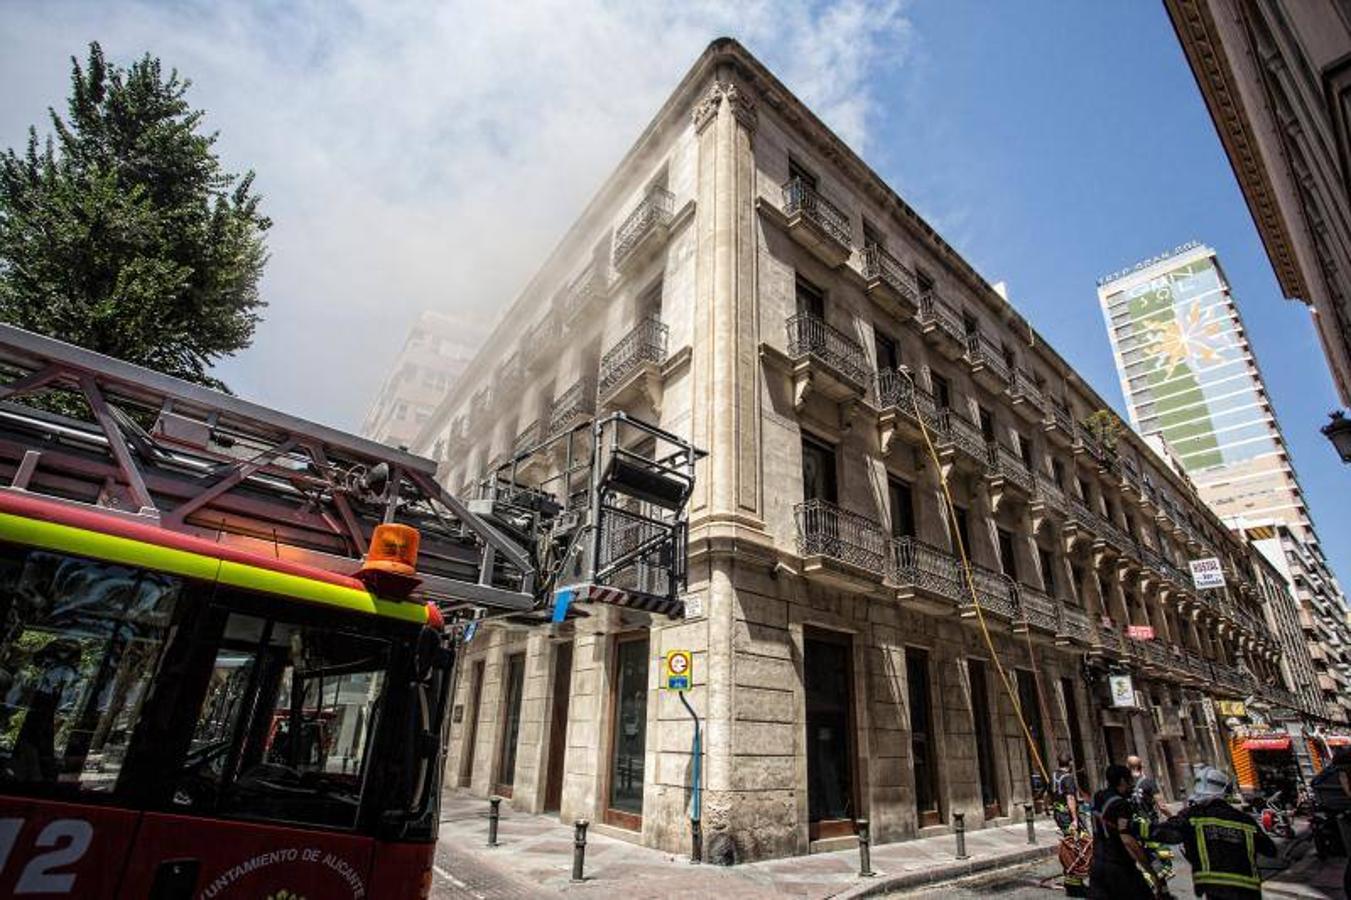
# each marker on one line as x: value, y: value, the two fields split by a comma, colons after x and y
x: 679, y: 678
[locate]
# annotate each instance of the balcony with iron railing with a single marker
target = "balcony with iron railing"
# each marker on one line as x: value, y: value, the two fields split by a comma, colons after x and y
x: 826, y: 359
x: 638, y: 355
x: 960, y: 442
x: 889, y: 283
x: 530, y: 436
x: 840, y: 547
x: 1036, y: 611
x: 575, y: 405
x: 1059, y: 423
x: 1108, y: 640
x: 923, y: 572
x: 1026, y: 397
x: 644, y: 228
x: 581, y: 296
x: 902, y: 405
x: 1086, y: 444
x: 1047, y: 496
x: 940, y: 325
x: 816, y: 223
x: 1006, y: 472
x: 986, y: 361
x: 1073, y: 626
x: 995, y: 592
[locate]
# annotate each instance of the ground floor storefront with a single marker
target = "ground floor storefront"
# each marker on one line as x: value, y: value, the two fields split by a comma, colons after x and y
x: 819, y: 709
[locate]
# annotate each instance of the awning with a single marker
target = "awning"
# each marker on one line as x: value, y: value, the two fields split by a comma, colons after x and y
x: 598, y: 593
x: 1338, y: 740
x: 1267, y: 743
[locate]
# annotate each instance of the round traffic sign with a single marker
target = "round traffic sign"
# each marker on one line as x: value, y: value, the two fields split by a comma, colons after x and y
x: 679, y: 663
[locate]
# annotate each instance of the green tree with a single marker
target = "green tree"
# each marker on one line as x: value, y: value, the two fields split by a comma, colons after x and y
x: 123, y: 234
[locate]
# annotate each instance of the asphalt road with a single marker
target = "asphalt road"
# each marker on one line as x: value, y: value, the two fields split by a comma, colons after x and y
x: 1038, y: 881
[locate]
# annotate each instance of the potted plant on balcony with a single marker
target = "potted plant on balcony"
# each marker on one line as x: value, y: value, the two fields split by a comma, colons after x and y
x: 1105, y: 428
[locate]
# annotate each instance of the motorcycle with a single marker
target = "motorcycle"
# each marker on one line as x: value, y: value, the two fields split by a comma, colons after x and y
x: 1275, y: 817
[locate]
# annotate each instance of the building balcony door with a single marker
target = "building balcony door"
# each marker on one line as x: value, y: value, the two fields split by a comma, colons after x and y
x: 827, y: 676
x: 628, y: 736
x: 558, y: 727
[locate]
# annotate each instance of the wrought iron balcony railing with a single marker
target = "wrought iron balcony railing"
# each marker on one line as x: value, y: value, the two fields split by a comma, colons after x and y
x: 995, y: 592
x: 925, y: 567
x: 1058, y: 415
x: 958, y: 432
x: 530, y: 436
x: 645, y: 343
x: 809, y: 335
x: 576, y: 404
x: 1049, y: 493
x: 1084, y: 440
x: 982, y: 352
x: 1036, y: 609
x: 879, y: 265
x: 826, y: 529
x: 652, y: 212
x: 1024, y: 388
x: 897, y: 391
x: 935, y: 312
x: 799, y: 197
x: 589, y: 287
x: 1074, y: 624
x: 1004, y: 463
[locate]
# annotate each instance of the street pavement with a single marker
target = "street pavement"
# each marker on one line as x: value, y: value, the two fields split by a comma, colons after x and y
x: 534, y: 859
x: 1306, y: 877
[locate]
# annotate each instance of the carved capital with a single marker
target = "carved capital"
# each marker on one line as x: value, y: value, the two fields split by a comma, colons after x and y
x: 741, y: 104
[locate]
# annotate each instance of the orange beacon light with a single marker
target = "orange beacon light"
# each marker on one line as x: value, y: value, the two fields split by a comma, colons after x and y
x: 390, y: 566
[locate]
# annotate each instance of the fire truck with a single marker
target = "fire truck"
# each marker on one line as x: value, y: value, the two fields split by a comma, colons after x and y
x: 227, y: 635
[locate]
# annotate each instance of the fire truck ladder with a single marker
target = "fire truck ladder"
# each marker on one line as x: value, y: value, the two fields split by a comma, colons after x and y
x: 82, y: 428
x: 606, y: 503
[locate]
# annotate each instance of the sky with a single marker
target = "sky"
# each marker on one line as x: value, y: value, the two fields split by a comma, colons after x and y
x: 428, y: 155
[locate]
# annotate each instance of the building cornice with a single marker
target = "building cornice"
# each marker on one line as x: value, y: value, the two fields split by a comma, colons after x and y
x: 1197, y: 32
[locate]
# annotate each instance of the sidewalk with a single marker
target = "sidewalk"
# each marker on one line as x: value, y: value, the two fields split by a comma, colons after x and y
x: 534, y: 859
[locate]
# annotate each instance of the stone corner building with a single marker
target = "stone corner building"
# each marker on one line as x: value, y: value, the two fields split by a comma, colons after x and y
x: 745, y: 279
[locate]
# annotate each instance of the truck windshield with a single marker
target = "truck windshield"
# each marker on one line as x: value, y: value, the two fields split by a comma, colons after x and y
x: 285, y: 727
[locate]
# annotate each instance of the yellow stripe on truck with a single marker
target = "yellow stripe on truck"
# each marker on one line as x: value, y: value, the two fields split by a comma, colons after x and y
x: 131, y: 552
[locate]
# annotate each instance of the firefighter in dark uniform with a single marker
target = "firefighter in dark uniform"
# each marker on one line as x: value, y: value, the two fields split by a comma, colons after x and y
x: 1120, y: 869
x: 1075, y: 845
x: 1219, y: 841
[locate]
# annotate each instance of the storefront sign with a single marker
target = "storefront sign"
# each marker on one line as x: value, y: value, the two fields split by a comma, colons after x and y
x: 679, y: 670
x: 1140, y: 632
x: 1206, y: 573
x: 1229, y: 708
x: 1123, y: 691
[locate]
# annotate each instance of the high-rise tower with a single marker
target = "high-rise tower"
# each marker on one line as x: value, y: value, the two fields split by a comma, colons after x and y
x: 1190, y: 378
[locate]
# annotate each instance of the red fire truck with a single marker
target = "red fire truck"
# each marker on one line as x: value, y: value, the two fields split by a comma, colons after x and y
x: 227, y: 634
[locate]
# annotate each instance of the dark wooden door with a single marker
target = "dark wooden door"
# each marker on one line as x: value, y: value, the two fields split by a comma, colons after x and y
x: 828, y: 680
x: 558, y: 727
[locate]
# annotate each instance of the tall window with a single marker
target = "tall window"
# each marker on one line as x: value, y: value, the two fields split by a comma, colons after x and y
x: 1025, y: 449
x: 1077, y: 582
x: 818, y: 471
x: 922, y: 748
x: 1076, y: 736
x: 987, y: 425
x: 1085, y: 492
x: 810, y: 299
x: 871, y: 236
x: 942, y: 390
x: 1058, y: 473
x: 888, y: 357
x: 1047, y: 561
x: 797, y: 171
x: 1008, y: 560
x: 902, y: 508
x: 923, y: 281
x: 962, y: 529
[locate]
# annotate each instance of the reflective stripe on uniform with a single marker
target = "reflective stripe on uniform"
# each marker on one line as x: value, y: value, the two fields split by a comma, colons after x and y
x: 1204, y: 874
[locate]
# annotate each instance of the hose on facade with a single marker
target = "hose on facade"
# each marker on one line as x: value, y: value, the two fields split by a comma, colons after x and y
x: 970, y: 582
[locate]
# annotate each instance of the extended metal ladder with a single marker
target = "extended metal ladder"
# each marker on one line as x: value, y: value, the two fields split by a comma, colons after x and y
x: 82, y: 428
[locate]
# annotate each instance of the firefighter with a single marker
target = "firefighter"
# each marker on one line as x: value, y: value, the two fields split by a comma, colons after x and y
x: 1075, y: 845
x: 1120, y: 869
x: 1219, y: 841
x: 1148, y: 811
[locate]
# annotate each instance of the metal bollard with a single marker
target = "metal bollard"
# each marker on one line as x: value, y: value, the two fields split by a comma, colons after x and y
x: 696, y: 841
x: 494, y: 812
x: 1031, y: 824
x: 865, y: 868
x: 959, y: 829
x: 579, y: 849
